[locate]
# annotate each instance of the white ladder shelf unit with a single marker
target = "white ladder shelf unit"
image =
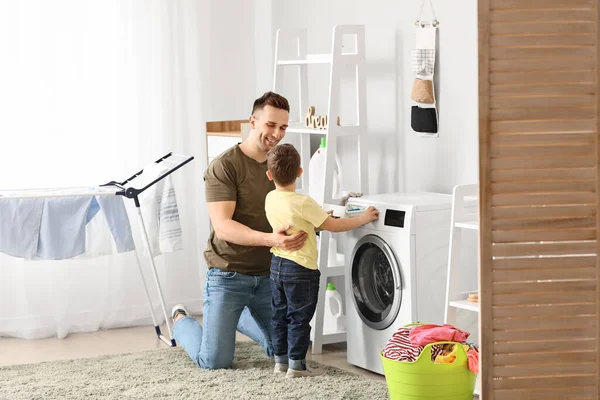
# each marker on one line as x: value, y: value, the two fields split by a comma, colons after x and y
x: 295, y: 40
x: 464, y: 217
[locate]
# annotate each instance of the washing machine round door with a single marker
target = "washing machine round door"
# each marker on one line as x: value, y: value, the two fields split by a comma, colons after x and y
x: 376, y: 282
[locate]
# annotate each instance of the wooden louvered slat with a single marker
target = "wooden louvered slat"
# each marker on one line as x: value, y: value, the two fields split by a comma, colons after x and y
x: 538, y: 235
x: 554, y: 262
x: 542, y: 113
x: 532, y: 175
x: 572, y: 393
x: 547, y: 382
x: 556, y: 310
x: 542, y: 52
x: 568, y: 27
x: 517, y: 275
x: 540, y: 77
x: 545, y: 187
x: 543, y: 223
x: 551, y: 248
x: 580, y: 368
x: 544, y: 323
x: 507, y: 213
x: 550, y: 102
x: 579, y: 125
x: 529, y: 66
x: 555, y: 162
x: 539, y: 287
x: 546, y: 334
x: 547, y: 346
x: 539, y: 151
x: 523, y: 139
x: 570, y: 89
x: 578, y: 39
x: 541, y: 4
x: 552, y: 15
x: 544, y: 358
x: 542, y: 298
x: 540, y: 199
x: 544, y: 102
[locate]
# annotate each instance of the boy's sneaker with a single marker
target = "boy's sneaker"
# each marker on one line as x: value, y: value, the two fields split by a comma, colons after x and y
x: 280, y: 368
x: 179, y: 309
x: 293, y: 373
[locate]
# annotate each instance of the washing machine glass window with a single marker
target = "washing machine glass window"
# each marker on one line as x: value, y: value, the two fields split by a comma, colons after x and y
x: 376, y: 282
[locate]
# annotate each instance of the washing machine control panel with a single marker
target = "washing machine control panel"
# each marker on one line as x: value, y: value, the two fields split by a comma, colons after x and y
x: 390, y: 217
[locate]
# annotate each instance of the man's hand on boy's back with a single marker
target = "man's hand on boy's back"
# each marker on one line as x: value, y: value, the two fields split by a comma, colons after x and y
x: 291, y: 243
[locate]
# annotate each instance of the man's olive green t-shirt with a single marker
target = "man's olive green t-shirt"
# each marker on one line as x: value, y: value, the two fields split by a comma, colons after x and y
x: 233, y: 176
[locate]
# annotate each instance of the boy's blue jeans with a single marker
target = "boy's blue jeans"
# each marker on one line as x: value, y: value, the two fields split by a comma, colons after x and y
x: 295, y: 291
x: 232, y: 301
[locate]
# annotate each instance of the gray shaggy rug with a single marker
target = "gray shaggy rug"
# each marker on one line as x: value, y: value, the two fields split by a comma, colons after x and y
x: 170, y: 374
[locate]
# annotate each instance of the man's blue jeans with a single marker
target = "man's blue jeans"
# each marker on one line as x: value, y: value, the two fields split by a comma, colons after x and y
x: 295, y: 294
x: 232, y: 301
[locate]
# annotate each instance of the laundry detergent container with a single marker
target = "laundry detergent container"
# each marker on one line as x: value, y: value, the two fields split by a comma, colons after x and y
x: 423, y: 379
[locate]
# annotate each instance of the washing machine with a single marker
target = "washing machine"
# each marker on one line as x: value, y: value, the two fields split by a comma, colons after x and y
x: 396, y: 270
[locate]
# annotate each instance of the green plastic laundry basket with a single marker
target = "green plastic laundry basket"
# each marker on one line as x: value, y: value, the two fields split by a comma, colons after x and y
x: 423, y: 379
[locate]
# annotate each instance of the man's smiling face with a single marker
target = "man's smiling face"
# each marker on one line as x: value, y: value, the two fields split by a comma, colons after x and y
x: 270, y: 124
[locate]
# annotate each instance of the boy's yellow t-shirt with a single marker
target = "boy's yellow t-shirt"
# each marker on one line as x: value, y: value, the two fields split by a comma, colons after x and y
x: 301, y: 213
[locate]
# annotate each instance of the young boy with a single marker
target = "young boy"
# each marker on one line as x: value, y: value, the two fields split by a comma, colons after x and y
x: 295, y: 274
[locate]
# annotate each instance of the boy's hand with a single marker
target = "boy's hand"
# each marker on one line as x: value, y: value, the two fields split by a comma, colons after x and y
x: 371, y: 214
x: 289, y: 242
x: 330, y: 212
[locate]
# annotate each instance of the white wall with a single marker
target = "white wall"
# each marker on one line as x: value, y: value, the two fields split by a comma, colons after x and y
x: 231, y: 72
x: 398, y: 158
x: 227, y: 88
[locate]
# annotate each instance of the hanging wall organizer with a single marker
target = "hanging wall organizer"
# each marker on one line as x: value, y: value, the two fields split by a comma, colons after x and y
x: 424, y: 115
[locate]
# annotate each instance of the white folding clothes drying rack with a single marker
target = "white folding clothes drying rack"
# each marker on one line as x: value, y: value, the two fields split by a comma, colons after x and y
x: 131, y: 188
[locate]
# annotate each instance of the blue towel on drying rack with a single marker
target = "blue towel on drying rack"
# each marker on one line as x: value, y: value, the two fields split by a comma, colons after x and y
x: 20, y: 221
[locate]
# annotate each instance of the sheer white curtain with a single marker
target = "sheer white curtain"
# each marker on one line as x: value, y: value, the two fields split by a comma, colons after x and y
x: 91, y: 91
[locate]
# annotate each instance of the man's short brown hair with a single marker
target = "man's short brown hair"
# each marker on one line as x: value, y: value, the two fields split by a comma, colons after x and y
x: 283, y: 162
x: 271, y: 99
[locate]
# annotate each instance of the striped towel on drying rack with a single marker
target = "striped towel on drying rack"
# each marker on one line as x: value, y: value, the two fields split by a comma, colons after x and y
x: 161, y: 216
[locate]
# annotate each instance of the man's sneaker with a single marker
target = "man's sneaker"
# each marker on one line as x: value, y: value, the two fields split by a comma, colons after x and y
x: 280, y: 368
x: 179, y: 309
x: 293, y: 373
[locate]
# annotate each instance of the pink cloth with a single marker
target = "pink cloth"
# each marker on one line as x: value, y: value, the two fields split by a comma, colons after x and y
x: 473, y: 358
x: 422, y: 335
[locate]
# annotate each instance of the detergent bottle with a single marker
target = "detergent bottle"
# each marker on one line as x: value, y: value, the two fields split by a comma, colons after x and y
x: 334, y: 320
x: 316, y: 174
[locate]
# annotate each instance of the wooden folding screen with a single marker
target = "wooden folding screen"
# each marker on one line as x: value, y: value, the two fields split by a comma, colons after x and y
x: 538, y: 73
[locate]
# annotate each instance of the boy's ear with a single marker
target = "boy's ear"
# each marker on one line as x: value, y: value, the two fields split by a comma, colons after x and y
x: 300, y: 171
x: 252, y: 121
x: 269, y: 175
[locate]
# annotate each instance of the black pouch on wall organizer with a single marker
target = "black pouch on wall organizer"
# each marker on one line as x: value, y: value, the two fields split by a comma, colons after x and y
x: 424, y: 120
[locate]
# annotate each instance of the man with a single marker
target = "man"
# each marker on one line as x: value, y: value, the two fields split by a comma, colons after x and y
x: 237, y: 294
